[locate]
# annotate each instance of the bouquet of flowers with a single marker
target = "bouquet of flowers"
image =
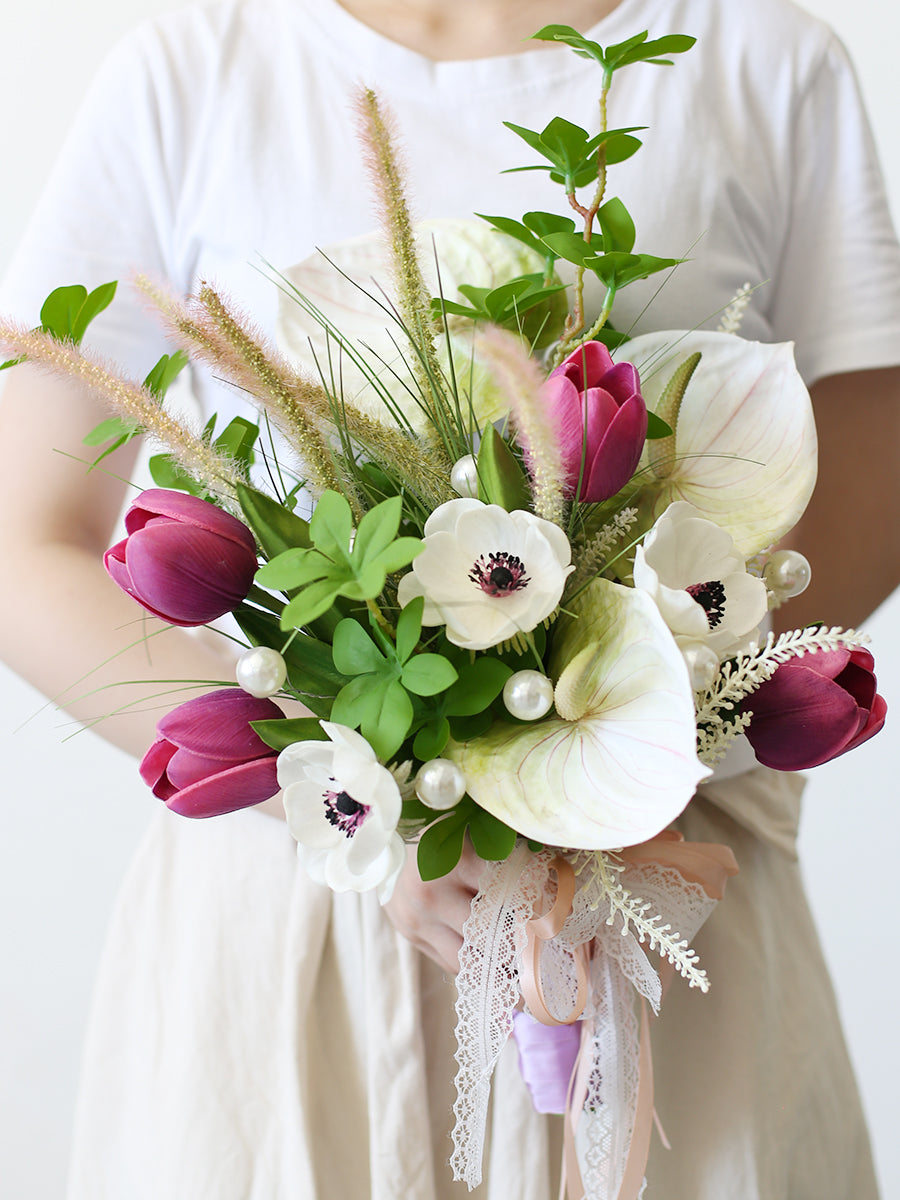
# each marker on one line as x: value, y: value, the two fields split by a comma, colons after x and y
x: 528, y: 607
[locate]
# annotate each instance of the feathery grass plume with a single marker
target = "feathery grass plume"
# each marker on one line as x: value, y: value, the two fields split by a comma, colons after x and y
x: 520, y: 380
x: 413, y: 299
x: 216, y: 334
x: 217, y: 472
x: 298, y: 404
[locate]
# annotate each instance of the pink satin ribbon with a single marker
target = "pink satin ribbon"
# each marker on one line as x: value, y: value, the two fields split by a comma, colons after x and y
x: 704, y: 863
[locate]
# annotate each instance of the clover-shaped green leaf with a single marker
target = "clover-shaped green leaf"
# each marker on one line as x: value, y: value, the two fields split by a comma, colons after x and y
x: 337, y: 565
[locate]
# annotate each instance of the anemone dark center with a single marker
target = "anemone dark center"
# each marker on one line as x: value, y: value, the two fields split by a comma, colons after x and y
x: 500, y: 574
x: 345, y: 813
x: 711, y: 598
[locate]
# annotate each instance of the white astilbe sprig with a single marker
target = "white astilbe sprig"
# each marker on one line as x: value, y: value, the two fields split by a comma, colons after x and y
x: 717, y: 722
x: 636, y: 916
x: 713, y: 741
x: 744, y: 674
x: 591, y: 559
x: 733, y: 314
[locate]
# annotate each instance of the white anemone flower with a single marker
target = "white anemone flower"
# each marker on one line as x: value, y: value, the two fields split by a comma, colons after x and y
x: 342, y: 807
x: 487, y: 574
x: 699, y: 582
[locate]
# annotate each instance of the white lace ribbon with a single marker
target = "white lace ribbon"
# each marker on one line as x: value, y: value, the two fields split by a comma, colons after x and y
x: 615, y: 904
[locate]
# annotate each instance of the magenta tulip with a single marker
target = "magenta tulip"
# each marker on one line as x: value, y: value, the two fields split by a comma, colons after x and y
x: 814, y: 708
x: 601, y: 419
x: 206, y: 759
x: 184, y: 559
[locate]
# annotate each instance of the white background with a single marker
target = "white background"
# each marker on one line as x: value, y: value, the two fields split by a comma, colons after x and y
x: 72, y: 810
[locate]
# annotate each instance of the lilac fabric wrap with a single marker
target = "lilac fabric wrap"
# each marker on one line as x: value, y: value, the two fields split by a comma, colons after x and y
x: 547, y: 1055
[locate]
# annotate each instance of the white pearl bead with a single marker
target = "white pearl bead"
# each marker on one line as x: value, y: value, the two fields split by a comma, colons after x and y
x: 702, y: 664
x: 261, y: 671
x: 464, y: 476
x: 440, y: 784
x: 787, y: 574
x: 528, y: 695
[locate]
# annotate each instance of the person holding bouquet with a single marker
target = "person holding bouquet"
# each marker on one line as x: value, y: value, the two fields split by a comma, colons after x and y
x: 255, y: 1034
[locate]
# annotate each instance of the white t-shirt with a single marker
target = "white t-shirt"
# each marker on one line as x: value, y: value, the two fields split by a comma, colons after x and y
x: 220, y: 136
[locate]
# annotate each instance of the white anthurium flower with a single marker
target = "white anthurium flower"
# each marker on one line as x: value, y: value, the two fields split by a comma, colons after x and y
x: 699, y: 582
x: 745, y: 439
x: 336, y: 281
x: 618, y: 762
x: 487, y: 574
x: 342, y: 807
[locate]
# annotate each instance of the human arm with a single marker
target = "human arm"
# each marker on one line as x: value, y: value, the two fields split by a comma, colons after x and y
x: 849, y: 532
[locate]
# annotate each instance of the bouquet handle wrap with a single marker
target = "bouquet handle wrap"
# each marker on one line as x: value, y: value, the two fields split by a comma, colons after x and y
x: 566, y: 934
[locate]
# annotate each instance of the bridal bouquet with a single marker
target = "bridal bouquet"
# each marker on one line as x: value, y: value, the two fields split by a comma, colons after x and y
x: 528, y: 607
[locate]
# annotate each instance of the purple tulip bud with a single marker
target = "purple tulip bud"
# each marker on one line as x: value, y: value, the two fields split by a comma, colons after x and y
x: 814, y: 708
x: 601, y: 419
x: 206, y: 759
x: 184, y: 559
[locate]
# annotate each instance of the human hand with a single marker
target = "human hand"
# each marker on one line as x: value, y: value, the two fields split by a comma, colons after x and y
x: 431, y: 915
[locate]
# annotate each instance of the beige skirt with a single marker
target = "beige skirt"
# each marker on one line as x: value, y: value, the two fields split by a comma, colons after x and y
x: 254, y: 1037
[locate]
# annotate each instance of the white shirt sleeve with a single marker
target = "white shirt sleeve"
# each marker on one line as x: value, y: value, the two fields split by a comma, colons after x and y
x: 837, y: 292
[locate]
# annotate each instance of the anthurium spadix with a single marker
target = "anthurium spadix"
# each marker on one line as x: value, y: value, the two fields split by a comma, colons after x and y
x: 744, y: 452
x: 351, y: 285
x: 617, y: 762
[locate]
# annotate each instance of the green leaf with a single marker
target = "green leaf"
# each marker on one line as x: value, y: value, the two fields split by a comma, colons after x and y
x: 353, y: 651
x: 385, y: 734
x: 281, y: 734
x: 359, y: 702
x: 620, y: 146
x: 492, y: 839
x: 237, y: 439
x: 517, y: 230
x: 543, y: 223
x: 399, y: 554
x: 501, y: 479
x: 292, y: 569
x: 571, y: 37
x: 674, y: 43
x: 409, y: 628
x: 113, y: 427
x: 60, y: 310
x: 168, y: 474
x: 478, y: 686
x: 462, y: 729
x: 431, y: 740
x: 274, y: 527
x: 377, y: 529
x: 570, y: 246
x: 656, y: 427
x: 428, y: 674
x: 311, y: 602
x: 617, y: 226
x: 94, y: 304
x: 331, y: 525
x: 161, y: 376
x: 441, y: 845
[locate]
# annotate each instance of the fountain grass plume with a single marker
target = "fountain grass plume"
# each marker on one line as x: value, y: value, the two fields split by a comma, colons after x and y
x: 412, y: 296
x: 302, y: 408
x: 210, y: 330
x: 217, y: 472
x: 520, y: 380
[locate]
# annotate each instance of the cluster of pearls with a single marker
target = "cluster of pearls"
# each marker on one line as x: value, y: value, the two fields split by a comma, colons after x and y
x: 261, y: 671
